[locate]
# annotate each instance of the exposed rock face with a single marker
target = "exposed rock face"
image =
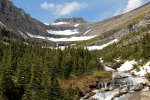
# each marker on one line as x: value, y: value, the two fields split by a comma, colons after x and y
x: 70, y: 20
x: 113, y: 65
x: 16, y: 19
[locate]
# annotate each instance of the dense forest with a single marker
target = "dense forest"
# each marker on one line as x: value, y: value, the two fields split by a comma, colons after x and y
x: 29, y: 72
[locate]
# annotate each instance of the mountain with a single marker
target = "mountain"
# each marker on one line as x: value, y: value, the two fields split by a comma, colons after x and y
x: 15, y: 23
x: 105, y: 60
x: 17, y: 20
x: 20, y: 25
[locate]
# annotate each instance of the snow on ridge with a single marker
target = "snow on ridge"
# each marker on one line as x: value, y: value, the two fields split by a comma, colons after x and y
x: 22, y: 34
x: 65, y: 32
x: 2, y: 23
x: 46, y: 24
x: 35, y: 36
x: 87, y: 31
x: 59, y: 23
x: 76, y: 25
x: 143, y: 70
x: 95, y: 47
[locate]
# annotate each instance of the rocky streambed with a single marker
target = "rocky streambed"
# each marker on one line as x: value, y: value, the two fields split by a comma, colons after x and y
x: 121, y: 87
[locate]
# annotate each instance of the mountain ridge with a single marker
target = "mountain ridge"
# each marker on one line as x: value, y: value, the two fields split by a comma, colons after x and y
x: 24, y: 27
x: 70, y: 20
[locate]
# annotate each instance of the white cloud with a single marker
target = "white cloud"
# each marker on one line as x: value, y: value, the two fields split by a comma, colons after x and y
x: 63, y: 9
x: 47, y: 6
x: 118, y: 12
x: 132, y: 4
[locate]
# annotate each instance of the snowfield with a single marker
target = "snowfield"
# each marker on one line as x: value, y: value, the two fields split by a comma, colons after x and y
x: 70, y: 39
x: 76, y: 25
x: 22, y: 34
x: 73, y: 38
x: 65, y: 32
x: 87, y: 31
x: 46, y: 24
x: 59, y: 23
x: 128, y: 65
x: 143, y: 70
x: 95, y: 47
x: 108, y: 68
x: 35, y: 36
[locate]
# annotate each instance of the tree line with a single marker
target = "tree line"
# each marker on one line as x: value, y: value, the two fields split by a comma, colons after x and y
x: 29, y: 72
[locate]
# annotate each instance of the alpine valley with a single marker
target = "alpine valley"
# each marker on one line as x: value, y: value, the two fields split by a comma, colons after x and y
x: 72, y: 59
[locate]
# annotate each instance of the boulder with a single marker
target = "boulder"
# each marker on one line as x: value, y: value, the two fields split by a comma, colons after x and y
x: 116, y: 75
x: 110, y: 88
x: 138, y: 87
x: 147, y: 84
x: 113, y: 65
x: 89, y: 95
x: 121, y: 92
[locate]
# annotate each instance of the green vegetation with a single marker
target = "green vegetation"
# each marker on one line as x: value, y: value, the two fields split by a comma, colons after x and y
x: 131, y: 51
x: 29, y: 72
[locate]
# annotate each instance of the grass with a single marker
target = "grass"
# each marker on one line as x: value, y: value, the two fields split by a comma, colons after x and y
x: 83, y: 82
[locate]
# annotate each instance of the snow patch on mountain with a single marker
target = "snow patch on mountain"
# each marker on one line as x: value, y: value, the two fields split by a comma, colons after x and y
x: 59, y: 23
x: 76, y: 25
x: 35, y: 36
x: 128, y: 65
x: 95, y: 47
x: 73, y: 38
x: 143, y: 70
x: 65, y: 32
x: 46, y: 24
x: 108, y: 68
x: 2, y: 23
x: 70, y: 39
x: 87, y: 31
x: 22, y: 34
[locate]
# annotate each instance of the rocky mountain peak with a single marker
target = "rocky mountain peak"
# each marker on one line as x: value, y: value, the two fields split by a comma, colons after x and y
x: 70, y: 20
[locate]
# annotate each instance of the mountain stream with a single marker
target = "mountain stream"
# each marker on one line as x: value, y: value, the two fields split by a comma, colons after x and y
x: 119, y: 87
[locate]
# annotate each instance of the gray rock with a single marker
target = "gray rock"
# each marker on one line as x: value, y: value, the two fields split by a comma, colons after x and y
x: 87, y: 96
x: 70, y: 20
x: 138, y: 87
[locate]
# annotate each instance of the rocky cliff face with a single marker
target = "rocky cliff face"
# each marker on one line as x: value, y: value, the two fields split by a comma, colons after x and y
x: 19, y: 24
x: 15, y: 23
x: 16, y: 19
x: 70, y: 20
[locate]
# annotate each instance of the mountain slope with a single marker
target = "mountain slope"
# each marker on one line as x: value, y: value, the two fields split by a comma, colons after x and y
x: 17, y: 19
x: 15, y: 23
x: 120, y: 26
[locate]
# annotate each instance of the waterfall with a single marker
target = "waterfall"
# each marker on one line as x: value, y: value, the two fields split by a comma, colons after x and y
x: 124, y: 84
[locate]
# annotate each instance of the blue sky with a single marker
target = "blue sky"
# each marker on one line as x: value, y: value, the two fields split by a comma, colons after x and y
x: 47, y: 11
